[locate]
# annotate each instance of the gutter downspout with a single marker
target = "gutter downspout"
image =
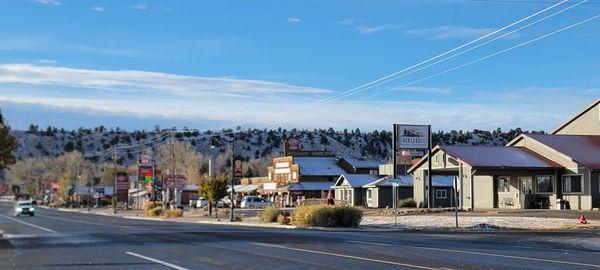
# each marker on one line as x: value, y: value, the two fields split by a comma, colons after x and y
x: 472, y: 187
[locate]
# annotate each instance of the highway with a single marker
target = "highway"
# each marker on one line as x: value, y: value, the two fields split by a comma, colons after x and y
x: 68, y: 240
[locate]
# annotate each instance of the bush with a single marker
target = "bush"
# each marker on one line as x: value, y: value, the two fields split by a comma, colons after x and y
x: 149, y: 206
x: 327, y: 216
x: 282, y: 219
x: 270, y: 214
x: 174, y: 213
x: 155, y: 212
x: 410, y: 202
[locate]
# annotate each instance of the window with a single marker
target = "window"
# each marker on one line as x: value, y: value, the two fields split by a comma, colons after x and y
x: 572, y: 183
x: 440, y: 194
x: 368, y: 194
x: 544, y: 184
x: 503, y: 184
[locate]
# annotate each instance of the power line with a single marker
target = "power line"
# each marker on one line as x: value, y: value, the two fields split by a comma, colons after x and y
x: 485, y: 43
x: 525, y: 2
x: 482, y: 58
x: 394, y: 75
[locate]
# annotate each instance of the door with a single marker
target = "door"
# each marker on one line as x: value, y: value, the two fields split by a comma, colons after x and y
x: 525, y: 194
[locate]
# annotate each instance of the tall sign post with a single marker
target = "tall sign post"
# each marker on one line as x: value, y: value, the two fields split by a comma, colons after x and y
x: 409, y: 137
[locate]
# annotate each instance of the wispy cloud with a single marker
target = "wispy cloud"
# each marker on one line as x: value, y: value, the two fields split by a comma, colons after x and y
x: 98, y: 8
x: 346, y: 21
x: 128, y: 80
x: 294, y: 20
x: 447, y: 32
x: 422, y: 89
x: 41, y: 44
x: 48, y: 2
x: 139, y: 7
x: 365, y: 30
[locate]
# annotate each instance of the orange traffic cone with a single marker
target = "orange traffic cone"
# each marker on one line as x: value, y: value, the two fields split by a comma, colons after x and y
x: 582, y: 220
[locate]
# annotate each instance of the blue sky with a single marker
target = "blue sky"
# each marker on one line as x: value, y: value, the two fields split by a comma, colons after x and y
x: 200, y: 64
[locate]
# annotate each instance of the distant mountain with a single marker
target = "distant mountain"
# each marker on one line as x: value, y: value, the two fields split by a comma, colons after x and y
x: 250, y: 144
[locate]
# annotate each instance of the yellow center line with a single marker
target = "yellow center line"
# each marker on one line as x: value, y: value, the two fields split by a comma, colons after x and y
x: 347, y: 256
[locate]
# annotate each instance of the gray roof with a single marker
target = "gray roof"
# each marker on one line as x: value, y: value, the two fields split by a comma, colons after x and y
x: 356, y: 180
x: 499, y: 157
x: 407, y: 181
x: 583, y: 149
x: 310, y: 186
x: 318, y: 166
x: 364, y: 163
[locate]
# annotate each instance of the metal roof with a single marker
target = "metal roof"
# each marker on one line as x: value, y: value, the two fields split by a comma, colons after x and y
x: 499, y: 157
x: 364, y: 163
x: 583, y: 149
x: 318, y: 166
x: 356, y: 180
x: 310, y: 186
x: 407, y: 181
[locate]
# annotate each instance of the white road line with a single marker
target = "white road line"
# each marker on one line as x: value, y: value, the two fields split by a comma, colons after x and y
x: 502, y: 256
x: 559, y: 250
x: 170, y: 265
x: 347, y: 256
x: 28, y: 224
x: 369, y: 243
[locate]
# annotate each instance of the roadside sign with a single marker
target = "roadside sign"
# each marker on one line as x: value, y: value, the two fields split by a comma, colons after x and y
x: 412, y: 136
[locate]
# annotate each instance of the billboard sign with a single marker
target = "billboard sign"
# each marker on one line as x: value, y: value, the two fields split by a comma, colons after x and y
x: 412, y: 136
x: 122, y: 181
x: 180, y: 182
x: 237, y: 169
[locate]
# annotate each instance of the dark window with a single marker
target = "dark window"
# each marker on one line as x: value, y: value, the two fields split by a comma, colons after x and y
x: 544, y: 184
x: 572, y: 183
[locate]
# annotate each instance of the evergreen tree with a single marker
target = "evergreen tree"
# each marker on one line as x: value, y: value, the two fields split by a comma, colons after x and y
x: 8, y: 144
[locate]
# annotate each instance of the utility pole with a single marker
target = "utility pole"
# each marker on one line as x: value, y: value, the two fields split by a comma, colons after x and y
x: 173, y: 164
x: 115, y: 194
x: 153, y: 175
x: 429, y: 171
x: 232, y: 179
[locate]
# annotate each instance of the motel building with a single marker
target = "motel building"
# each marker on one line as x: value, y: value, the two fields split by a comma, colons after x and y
x: 560, y: 170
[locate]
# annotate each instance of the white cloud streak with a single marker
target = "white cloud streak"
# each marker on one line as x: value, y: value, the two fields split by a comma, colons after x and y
x: 49, y: 2
x: 98, y: 8
x: 365, y: 30
x: 139, y: 7
x: 126, y: 80
x: 294, y: 20
x: 447, y: 32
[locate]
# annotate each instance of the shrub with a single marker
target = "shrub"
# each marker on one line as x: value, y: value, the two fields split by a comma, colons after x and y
x: 174, y: 213
x: 327, y: 216
x: 270, y: 214
x: 155, y: 212
x: 149, y: 206
x: 410, y: 202
x: 282, y: 219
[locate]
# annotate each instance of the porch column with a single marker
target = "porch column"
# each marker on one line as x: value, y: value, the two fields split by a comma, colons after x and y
x: 460, y: 182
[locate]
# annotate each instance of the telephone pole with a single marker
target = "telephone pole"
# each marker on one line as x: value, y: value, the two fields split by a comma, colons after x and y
x: 173, y: 165
x: 115, y: 194
x: 232, y: 179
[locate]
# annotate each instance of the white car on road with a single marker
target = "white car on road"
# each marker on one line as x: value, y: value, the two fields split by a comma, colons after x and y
x: 254, y: 202
x: 24, y: 208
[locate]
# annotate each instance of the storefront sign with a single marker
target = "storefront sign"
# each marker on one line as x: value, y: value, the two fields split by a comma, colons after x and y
x: 412, y: 136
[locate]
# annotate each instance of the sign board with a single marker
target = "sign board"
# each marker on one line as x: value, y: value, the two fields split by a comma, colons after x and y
x: 122, y: 181
x: 180, y: 182
x: 412, y: 136
x: 144, y: 160
x: 237, y: 169
x: 270, y: 186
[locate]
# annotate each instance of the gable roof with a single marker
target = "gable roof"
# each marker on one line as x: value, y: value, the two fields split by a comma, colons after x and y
x: 494, y: 157
x: 582, y: 149
x: 318, y: 166
x: 310, y: 186
x: 363, y: 163
x: 407, y: 181
x: 356, y: 180
x: 579, y: 114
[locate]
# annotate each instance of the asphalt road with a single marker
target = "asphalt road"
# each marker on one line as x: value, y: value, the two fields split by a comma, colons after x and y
x: 67, y: 240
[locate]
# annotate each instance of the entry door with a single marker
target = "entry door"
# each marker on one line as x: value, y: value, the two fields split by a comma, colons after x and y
x: 526, y: 184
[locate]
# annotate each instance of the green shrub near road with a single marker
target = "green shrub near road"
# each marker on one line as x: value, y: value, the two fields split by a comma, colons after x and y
x: 327, y: 216
x: 270, y: 214
x: 149, y: 206
x: 281, y: 219
x: 410, y: 202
